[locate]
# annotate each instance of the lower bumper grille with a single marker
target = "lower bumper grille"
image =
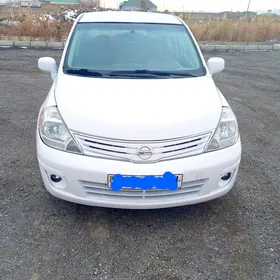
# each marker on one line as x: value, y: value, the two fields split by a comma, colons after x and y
x: 101, y: 190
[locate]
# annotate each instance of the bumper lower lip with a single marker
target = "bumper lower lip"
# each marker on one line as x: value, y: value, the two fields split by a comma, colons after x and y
x: 201, y: 175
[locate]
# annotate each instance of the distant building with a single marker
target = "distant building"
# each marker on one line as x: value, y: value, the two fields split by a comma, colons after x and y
x: 66, y: 2
x: 138, y: 5
x: 269, y: 12
x: 21, y: 3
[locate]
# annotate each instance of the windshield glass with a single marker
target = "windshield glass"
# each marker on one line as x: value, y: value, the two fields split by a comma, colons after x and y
x: 124, y: 48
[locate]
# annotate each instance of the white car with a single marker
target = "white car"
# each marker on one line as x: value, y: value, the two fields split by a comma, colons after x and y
x: 133, y: 118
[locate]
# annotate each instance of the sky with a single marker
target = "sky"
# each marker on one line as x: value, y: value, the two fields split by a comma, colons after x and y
x: 206, y: 5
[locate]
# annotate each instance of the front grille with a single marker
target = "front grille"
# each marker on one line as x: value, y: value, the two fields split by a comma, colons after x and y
x: 98, y: 190
x: 128, y: 150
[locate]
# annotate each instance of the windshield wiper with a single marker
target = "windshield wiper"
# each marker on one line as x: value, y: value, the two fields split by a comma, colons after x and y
x: 151, y: 73
x: 163, y: 73
x: 84, y: 72
x: 139, y: 73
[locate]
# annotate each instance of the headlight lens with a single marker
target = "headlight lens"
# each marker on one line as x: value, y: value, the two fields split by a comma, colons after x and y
x: 226, y: 133
x: 54, y: 133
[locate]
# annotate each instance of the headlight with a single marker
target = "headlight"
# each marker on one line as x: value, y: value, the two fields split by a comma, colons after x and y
x: 54, y: 133
x: 226, y: 133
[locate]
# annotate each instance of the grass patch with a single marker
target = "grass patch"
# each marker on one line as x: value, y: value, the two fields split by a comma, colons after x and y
x: 258, y: 29
x: 32, y: 27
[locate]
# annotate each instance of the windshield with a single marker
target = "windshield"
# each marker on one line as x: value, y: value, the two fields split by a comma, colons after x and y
x: 140, y: 49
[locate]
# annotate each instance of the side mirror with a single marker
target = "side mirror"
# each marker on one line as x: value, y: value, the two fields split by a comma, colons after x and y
x: 216, y: 65
x: 48, y: 64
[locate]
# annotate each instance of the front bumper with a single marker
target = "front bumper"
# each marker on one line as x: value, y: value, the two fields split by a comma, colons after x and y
x: 84, y: 179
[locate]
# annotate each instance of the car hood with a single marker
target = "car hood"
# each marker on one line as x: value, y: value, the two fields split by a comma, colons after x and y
x: 138, y: 109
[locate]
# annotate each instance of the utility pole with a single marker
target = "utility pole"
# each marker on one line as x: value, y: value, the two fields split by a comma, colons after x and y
x: 11, y: 8
x: 118, y: 4
x: 248, y: 7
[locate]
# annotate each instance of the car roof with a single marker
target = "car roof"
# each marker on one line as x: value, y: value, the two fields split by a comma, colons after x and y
x: 128, y: 16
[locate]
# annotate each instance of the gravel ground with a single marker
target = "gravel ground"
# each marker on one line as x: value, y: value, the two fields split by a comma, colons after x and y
x: 233, y: 237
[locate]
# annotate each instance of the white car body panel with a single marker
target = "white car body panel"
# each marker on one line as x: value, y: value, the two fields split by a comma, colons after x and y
x: 101, y: 107
x: 121, y: 16
x: 74, y: 169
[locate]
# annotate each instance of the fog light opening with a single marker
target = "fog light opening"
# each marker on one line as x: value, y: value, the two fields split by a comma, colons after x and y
x: 226, y: 177
x: 55, y: 178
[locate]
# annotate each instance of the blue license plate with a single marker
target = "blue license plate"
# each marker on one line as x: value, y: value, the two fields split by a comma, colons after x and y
x: 167, y: 181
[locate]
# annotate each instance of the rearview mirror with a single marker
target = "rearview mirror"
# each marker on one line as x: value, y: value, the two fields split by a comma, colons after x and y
x: 48, y: 64
x: 216, y: 65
